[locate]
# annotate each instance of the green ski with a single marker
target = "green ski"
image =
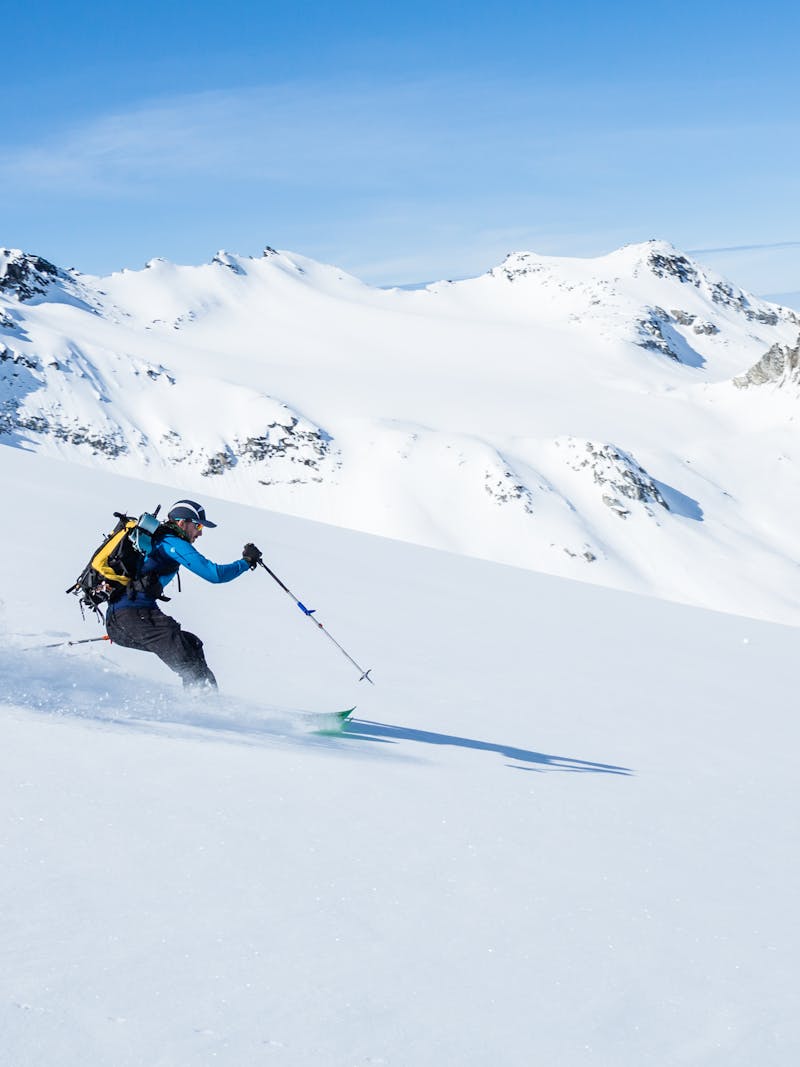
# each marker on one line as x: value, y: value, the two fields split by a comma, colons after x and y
x: 330, y: 722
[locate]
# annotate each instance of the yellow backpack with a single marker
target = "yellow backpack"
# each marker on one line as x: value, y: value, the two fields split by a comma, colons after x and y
x: 116, y: 563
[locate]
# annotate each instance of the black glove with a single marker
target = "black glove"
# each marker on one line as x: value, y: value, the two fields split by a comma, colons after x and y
x: 252, y: 555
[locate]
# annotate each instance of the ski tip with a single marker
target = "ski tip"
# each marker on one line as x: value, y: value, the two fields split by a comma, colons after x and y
x: 337, y: 722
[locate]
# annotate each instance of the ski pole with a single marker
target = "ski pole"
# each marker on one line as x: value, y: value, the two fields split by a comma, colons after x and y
x: 308, y: 612
x: 62, y: 644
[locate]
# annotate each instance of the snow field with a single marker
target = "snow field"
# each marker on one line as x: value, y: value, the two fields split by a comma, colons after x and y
x: 558, y: 832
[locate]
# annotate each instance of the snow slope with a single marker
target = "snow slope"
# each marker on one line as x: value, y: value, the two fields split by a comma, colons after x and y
x: 588, y: 418
x: 559, y: 831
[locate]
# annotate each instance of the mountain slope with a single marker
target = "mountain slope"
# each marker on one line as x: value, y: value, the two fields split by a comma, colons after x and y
x: 556, y: 832
x: 578, y: 417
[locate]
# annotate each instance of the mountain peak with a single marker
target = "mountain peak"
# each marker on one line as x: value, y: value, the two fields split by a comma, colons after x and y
x: 24, y: 275
x: 658, y: 256
x: 225, y: 259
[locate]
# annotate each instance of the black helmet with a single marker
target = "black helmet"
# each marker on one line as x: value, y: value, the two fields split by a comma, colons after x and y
x: 191, y: 510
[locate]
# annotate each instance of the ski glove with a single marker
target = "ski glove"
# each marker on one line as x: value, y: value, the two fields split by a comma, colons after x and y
x: 252, y: 555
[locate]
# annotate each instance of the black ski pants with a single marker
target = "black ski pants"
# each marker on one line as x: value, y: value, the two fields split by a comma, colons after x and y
x: 150, y: 630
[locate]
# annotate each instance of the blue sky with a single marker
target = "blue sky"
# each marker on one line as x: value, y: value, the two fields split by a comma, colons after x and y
x: 404, y: 143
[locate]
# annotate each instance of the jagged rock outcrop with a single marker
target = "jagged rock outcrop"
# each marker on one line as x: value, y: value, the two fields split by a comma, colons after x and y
x: 781, y: 364
x: 673, y: 264
x: 24, y: 276
x: 652, y: 335
x: 658, y: 332
x: 699, y: 326
x: 615, y: 471
x: 291, y: 452
x: 725, y: 294
x: 18, y: 359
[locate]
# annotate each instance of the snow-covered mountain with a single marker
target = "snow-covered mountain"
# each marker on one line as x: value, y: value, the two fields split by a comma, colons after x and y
x: 627, y: 420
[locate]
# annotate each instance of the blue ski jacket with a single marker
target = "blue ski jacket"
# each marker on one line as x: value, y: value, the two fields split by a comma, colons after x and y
x: 168, y: 555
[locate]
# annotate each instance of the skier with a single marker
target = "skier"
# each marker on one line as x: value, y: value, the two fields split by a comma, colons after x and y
x: 134, y: 619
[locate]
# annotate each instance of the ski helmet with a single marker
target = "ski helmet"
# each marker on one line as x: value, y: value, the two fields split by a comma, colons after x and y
x: 191, y: 510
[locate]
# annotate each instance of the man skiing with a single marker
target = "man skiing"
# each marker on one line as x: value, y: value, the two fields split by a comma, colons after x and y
x: 134, y: 619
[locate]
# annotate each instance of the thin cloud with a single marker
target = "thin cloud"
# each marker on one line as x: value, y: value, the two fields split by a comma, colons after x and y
x: 745, y: 248
x: 435, y: 135
x: 357, y: 137
x: 282, y: 134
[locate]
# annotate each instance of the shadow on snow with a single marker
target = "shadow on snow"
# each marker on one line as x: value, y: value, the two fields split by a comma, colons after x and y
x: 70, y: 686
x: 358, y: 729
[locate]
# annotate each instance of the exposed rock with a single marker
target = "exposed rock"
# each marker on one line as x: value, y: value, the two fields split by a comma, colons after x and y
x: 505, y: 488
x: 223, y: 259
x: 651, y: 334
x: 678, y: 266
x: 517, y: 265
x: 54, y: 423
x: 155, y: 373
x: 219, y: 462
x: 293, y: 451
x: 616, y: 472
x: 296, y: 441
x: 673, y: 265
x: 111, y: 444
x: 175, y: 450
x: 767, y: 317
x: 781, y: 364
x: 725, y: 294
x: 11, y: 421
x: 616, y: 505
x: 707, y: 328
x: 9, y: 355
x: 587, y: 554
x: 24, y: 276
